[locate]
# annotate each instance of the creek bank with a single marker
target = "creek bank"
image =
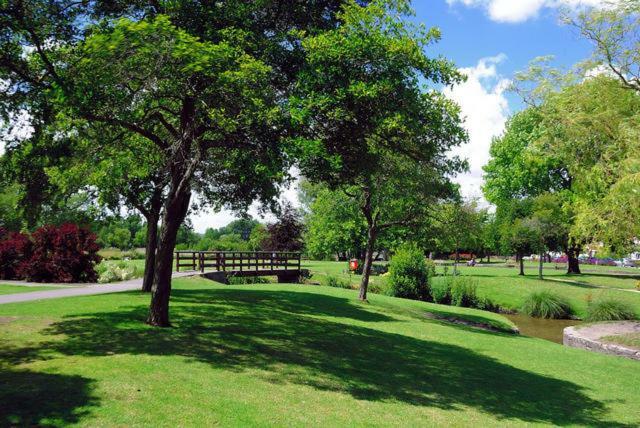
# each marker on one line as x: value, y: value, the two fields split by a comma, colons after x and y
x: 589, y: 337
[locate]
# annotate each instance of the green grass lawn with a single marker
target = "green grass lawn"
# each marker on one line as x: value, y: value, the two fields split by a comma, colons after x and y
x: 14, y: 289
x: 504, y: 287
x: 274, y: 355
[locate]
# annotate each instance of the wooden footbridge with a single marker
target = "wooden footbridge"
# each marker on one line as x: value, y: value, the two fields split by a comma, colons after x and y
x: 219, y: 265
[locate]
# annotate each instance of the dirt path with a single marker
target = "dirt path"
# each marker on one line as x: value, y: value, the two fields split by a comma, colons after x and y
x: 71, y: 290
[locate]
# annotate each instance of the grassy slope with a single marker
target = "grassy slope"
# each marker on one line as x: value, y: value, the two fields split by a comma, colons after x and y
x: 504, y: 287
x: 14, y: 289
x: 291, y: 355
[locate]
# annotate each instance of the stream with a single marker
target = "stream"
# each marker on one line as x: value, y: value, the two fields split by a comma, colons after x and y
x: 543, y: 328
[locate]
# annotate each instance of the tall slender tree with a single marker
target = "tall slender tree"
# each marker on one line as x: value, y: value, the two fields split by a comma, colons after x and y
x: 372, y: 128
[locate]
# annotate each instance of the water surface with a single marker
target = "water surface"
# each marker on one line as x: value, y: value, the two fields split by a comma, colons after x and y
x: 543, y: 328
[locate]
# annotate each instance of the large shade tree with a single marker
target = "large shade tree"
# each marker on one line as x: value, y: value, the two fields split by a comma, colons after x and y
x: 199, y: 83
x: 372, y: 128
x: 521, y: 167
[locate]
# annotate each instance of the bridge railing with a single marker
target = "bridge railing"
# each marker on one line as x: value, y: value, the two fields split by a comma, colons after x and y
x: 239, y: 261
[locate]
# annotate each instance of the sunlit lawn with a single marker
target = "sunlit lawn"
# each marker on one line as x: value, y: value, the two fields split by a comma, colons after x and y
x: 505, y: 287
x: 274, y: 355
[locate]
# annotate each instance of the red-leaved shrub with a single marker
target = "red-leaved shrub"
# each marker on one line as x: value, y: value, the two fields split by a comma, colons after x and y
x: 67, y: 253
x: 15, y: 250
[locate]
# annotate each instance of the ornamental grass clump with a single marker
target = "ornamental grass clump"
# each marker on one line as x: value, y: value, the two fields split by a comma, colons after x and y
x: 609, y: 310
x: 546, y: 304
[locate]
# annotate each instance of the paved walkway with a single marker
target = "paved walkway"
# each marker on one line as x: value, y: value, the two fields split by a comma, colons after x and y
x: 71, y: 290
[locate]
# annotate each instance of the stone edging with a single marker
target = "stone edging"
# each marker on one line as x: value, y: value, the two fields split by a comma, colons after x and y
x: 583, y: 338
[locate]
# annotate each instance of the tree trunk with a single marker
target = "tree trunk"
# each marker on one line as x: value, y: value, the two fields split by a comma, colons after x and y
x: 175, y: 211
x: 488, y: 258
x: 521, y: 257
x: 573, y: 264
x: 455, y: 262
x: 368, y: 261
x: 150, y: 255
x: 540, y: 265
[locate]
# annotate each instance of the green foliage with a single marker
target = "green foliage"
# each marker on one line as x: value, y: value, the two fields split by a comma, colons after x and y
x: 609, y: 310
x: 10, y: 218
x: 409, y: 274
x: 239, y: 280
x: 369, y: 125
x: 335, y: 225
x: 121, y: 232
x: 334, y: 281
x: 517, y: 168
x: 441, y: 291
x: 459, y: 291
x: 460, y: 227
x: 256, y: 237
x: 546, y: 304
x: 464, y: 292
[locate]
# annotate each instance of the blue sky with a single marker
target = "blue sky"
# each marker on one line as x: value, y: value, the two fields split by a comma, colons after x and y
x: 489, y: 40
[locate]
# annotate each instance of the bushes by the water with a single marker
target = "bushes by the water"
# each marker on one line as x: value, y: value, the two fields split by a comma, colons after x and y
x: 464, y: 292
x: 333, y: 281
x: 609, y: 310
x: 441, y: 291
x: 409, y: 273
x: 546, y: 304
x: 460, y: 291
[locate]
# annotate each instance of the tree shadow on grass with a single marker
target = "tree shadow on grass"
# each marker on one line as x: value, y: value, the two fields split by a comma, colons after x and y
x: 42, y: 399
x: 279, y: 333
x: 571, y: 282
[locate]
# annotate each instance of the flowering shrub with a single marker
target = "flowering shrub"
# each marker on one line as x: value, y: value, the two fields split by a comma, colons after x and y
x: 15, y: 250
x: 62, y: 254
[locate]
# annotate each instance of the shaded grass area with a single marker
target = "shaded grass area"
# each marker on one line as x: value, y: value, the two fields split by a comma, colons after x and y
x: 15, y: 289
x: 631, y: 339
x: 292, y: 355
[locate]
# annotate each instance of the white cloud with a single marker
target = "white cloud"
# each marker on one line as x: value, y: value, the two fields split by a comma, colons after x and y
x: 513, y: 11
x: 486, y: 109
